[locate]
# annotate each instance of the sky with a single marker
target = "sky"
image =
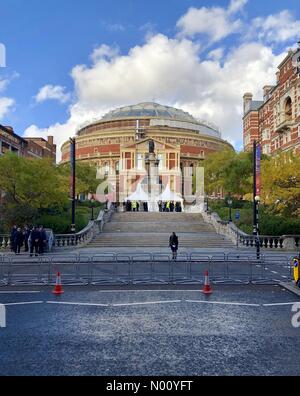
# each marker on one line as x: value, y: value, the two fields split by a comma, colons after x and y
x: 71, y: 61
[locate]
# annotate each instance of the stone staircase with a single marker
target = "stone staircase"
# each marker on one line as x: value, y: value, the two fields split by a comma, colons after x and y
x: 140, y: 229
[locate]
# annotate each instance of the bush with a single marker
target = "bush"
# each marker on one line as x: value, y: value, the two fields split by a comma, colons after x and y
x: 270, y: 224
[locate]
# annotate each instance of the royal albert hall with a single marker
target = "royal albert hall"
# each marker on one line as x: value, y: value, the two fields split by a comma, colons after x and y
x: 118, y: 145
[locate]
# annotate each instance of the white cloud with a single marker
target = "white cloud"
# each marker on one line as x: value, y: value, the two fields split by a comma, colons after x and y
x: 5, y: 106
x: 236, y: 5
x: 214, y: 22
x: 216, y: 54
x: 52, y: 92
x: 279, y: 27
x: 171, y: 71
x: 104, y: 52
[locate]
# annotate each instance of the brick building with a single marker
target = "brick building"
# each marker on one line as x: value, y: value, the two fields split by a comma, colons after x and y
x: 118, y: 145
x: 275, y: 120
x: 26, y: 147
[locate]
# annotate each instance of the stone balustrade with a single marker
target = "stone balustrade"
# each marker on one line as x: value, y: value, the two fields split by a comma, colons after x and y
x: 80, y: 239
x: 5, y: 242
x: 85, y: 236
x: 240, y: 238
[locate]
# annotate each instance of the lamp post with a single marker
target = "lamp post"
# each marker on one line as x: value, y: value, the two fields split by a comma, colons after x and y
x: 73, y: 181
x: 92, y: 208
x: 229, y: 201
x: 256, y: 195
x: 207, y: 207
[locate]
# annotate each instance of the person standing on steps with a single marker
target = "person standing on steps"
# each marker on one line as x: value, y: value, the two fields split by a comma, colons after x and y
x: 18, y: 241
x: 173, y: 244
x: 35, y: 237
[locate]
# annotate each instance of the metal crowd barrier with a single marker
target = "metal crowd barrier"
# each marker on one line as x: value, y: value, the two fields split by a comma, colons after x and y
x: 145, y: 268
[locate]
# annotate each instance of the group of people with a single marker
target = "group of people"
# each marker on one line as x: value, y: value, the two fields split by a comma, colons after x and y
x: 34, y: 239
x: 169, y: 206
x: 134, y: 206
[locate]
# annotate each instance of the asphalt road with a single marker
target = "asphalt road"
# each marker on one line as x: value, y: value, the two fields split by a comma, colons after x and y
x: 238, y: 330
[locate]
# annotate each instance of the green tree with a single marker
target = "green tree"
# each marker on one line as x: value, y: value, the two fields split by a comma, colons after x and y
x: 228, y: 170
x: 281, y: 184
x: 86, y: 177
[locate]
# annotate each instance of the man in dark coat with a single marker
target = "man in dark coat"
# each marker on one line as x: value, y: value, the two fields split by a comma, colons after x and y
x: 43, y: 240
x: 12, y: 235
x: 35, y: 237
x: 173, y: 244
x: 26, y: 234
x: 18, y: 241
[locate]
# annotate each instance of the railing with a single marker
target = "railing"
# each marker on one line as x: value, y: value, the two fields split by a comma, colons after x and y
x: 145, y: 268
x: 5, y: 242
x: 240, y: 238
x: 80, y: 239
x: 85, y: 236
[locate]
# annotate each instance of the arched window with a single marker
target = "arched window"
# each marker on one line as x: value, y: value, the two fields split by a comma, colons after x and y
x: 288, y: 109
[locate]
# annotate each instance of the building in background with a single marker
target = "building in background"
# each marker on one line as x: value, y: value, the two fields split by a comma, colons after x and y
x: 118, y: 145
x: 275, y: 120
x: 26, y: 147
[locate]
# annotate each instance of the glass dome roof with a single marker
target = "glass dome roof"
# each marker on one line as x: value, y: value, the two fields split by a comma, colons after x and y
x: 149, y: 109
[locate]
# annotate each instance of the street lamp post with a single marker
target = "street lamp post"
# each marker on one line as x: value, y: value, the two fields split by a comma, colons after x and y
x: 73, y: 181
x: 256, y: 197
x: 229, y: 201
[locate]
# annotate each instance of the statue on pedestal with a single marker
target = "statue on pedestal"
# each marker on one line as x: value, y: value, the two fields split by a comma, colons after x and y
x: 151, y: 146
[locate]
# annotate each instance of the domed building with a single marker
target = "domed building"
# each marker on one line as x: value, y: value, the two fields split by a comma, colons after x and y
x: 119, y: 146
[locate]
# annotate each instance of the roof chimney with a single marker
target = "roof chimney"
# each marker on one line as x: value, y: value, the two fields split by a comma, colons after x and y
x: 50, y: 140
x: 247, y: 101
x: 10, y: 128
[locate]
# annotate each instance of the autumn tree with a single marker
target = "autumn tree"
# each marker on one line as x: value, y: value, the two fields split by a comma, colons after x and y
x: 281, y: 184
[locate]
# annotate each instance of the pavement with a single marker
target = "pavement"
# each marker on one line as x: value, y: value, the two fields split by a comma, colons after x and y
x: 149, y: 330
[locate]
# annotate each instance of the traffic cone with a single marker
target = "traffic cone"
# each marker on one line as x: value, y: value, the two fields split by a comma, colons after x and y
x: 58, y: 287
x: 207, y: 288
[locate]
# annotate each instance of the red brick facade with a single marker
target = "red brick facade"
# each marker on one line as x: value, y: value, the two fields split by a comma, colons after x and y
x: 275, y: 121
x: 26, y: 147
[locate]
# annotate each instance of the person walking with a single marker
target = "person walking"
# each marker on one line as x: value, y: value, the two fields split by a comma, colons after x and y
x: 18, y: 241
x: 173, y: 244
x: 168, y: 206
x: 172, y: 206
x: 35, y: 237
x: 43, y: 240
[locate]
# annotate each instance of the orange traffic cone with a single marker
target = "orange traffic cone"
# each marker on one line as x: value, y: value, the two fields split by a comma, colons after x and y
x: 207, y: 288
x: 58, y: 287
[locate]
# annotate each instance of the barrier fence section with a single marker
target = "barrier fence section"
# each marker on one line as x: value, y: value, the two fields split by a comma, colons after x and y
x: 147, y: 268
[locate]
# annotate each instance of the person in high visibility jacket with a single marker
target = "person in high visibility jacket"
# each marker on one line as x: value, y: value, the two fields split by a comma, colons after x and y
x: 296, y: 263
x: 134, y: 206
x: 168, y: 205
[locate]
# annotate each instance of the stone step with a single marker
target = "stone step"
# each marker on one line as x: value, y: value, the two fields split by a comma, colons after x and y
x: 150, y: 227
x: 159, y: 240
x: 156, y: 217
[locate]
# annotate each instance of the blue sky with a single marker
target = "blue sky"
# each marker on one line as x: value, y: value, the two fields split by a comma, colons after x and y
x: 179, y: 52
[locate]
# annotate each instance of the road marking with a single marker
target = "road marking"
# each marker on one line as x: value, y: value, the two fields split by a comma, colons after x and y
x: 146, y: 303
x: 283, y: 276
x: 223, y: 303
x: 274, y: 272
x: 77, y: 303
x: 274, y: 304
x: 25, y: 303
x: 19, y: 292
